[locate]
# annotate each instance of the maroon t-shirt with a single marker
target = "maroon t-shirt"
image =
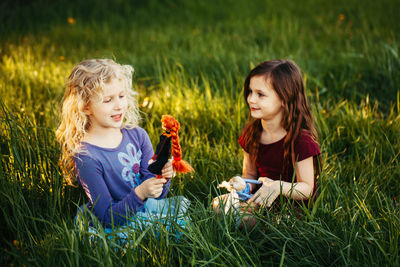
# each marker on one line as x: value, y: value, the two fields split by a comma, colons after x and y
x: 270, y: 157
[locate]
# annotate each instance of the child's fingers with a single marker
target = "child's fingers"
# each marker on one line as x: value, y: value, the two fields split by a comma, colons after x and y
x: 265, y: 179
x: 168, y: 175
x: 167, y: 168
x: 160, y: 181
x: 168, y: 164
x: 271, y: 199
x: 255, y: 198
x: 156, y: 193
x: 156, y: 190
x: 168, y: 171
x: 260, y: 200
x: 157, y: 181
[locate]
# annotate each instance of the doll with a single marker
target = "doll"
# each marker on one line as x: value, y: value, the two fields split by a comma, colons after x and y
x: 240, y: 185
x: 163, y: 150
x: 239, y: 193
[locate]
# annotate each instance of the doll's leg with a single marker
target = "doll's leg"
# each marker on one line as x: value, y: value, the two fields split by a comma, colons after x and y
x: 226, y: 202
x: 218, y: 204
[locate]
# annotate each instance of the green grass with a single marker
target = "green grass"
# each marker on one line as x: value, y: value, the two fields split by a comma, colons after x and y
x: 191, y: 60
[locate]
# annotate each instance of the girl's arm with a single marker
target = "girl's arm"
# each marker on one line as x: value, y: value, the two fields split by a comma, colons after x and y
x: 249, y: 169
x: 300, y: 190
x: 90, y: 176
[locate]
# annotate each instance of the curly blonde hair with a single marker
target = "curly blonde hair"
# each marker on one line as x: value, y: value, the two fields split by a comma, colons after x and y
x: 86, y: 79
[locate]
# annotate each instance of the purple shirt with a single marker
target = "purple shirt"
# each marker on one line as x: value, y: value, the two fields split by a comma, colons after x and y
x: 110, y: 175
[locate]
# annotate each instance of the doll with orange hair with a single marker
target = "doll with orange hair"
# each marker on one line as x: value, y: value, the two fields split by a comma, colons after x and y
x: 163, y: 149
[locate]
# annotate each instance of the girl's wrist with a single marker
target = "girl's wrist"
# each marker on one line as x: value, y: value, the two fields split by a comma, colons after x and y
x: 139, y: 193
x: 277, y: 185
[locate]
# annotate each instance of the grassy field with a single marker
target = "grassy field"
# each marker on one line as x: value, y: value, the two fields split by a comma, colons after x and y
x: 190, y: 60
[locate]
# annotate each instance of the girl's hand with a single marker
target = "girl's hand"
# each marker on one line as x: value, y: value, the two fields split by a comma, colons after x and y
x: 265, y: 179
x: 152, y: 187
x: 267, y: 193
x: 167, y: 171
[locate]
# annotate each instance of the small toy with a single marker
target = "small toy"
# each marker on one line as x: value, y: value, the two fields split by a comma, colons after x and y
x: 163, y: 149
x: 236, y: 182
x: 240, y: 185
x: 230, y: 201
x: 239, y: 190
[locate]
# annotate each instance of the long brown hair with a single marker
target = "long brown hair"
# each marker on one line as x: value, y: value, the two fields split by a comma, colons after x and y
x: 286, y: 79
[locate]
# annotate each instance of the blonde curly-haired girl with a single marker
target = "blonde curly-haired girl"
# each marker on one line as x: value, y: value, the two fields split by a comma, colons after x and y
x: 103, y: 148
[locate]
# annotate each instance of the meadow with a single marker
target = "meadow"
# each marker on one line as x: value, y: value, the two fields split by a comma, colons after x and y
x: 190, y: 60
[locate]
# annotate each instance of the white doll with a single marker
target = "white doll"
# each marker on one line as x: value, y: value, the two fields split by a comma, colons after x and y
x: 237, y: 187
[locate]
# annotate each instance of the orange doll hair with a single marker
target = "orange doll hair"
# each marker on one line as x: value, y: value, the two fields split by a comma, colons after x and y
x: 173, y: 126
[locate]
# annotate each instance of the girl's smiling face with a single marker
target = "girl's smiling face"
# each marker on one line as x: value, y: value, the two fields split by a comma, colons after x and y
x: 263, y: 101
x: 107, y: 110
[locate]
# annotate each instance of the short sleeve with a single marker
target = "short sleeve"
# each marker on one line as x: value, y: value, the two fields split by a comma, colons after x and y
x: 306, y: 146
